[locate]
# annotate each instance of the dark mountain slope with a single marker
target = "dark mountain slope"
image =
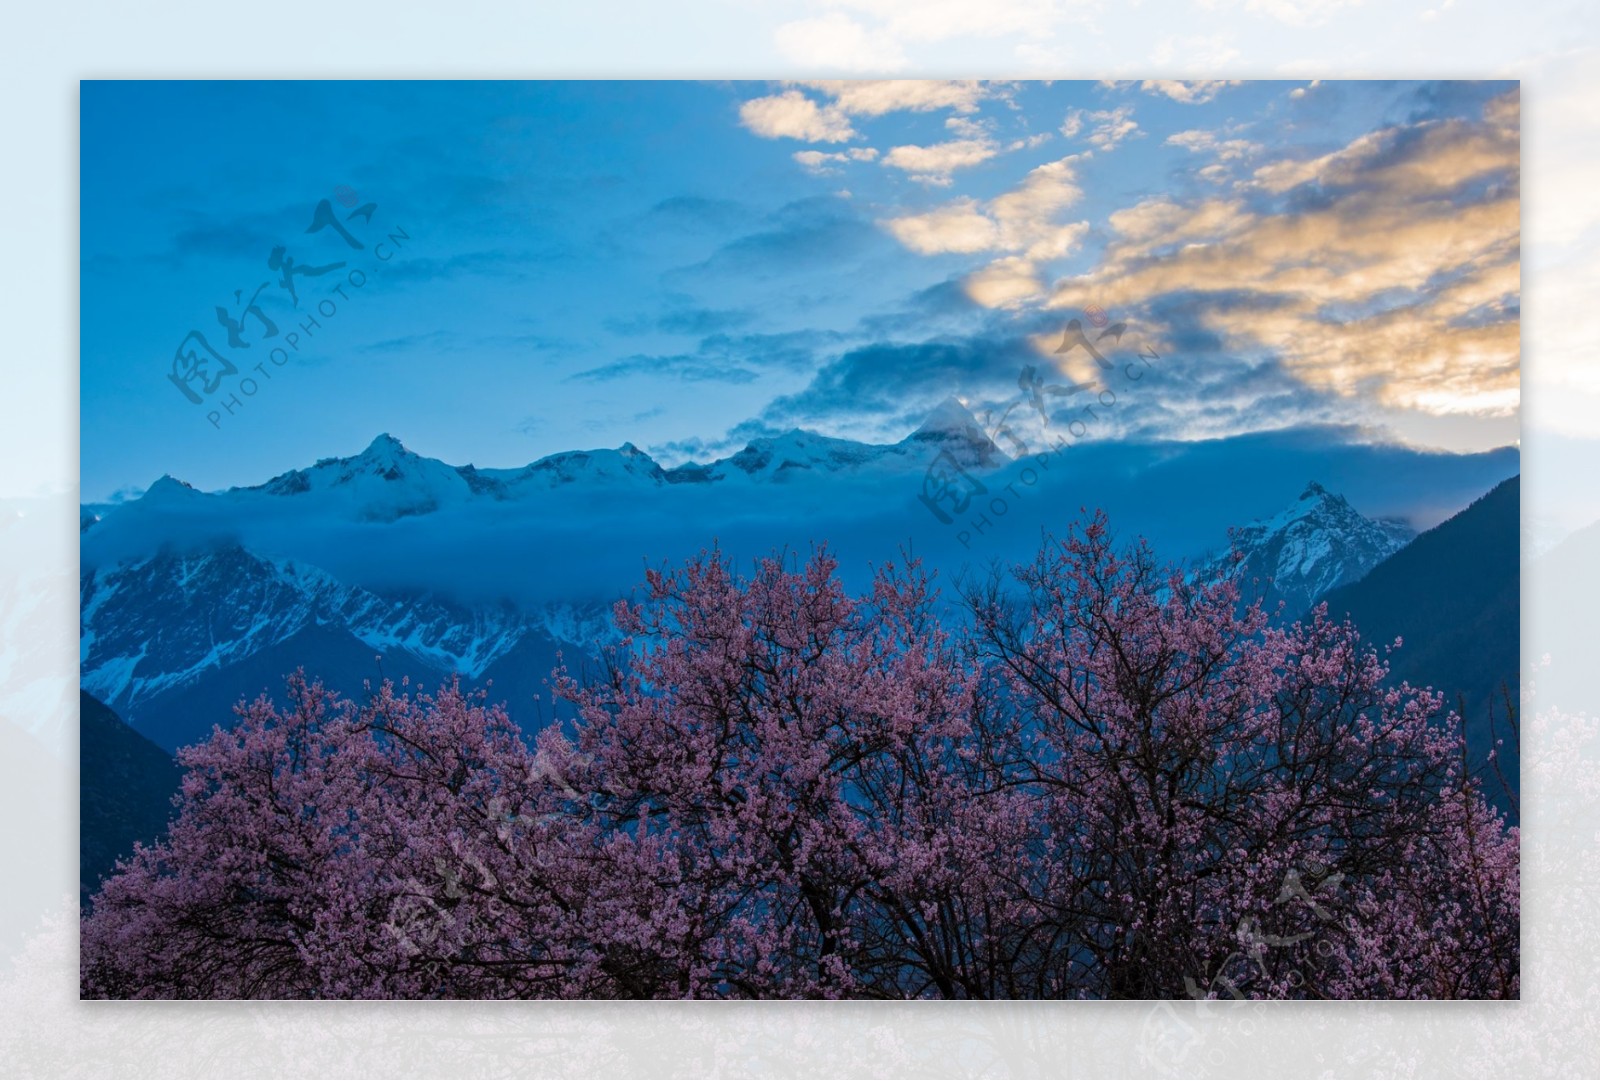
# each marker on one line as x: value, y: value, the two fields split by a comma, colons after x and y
x: 1453, y: 596
x: 125, y: 789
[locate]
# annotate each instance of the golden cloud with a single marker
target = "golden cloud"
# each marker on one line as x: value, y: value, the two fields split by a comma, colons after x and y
x: 1398, y: 287
x: 1023, y: 225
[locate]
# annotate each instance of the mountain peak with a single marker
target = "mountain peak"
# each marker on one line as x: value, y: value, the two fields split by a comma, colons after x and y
x: 1317, y: 543
x: 952, y: 427
x: 949, y: 417
x: 385, y: 445
x: 169, y: 485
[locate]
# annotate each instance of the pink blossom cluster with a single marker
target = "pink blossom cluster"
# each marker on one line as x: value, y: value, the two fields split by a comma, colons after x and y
x: 1095, y: 779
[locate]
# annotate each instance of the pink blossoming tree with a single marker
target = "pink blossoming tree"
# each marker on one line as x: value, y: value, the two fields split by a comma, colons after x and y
x: 1097, y: 779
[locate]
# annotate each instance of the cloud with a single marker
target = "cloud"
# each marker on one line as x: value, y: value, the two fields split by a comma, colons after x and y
x: 488, y: 263
x: 1374, y: 282
x: 683, y: 320
x: 1226, y: 151
x: 878, y: 97
x: 1027, y: 214
x: 1198, y: 389
x: 823, y: 163
x: 805, y: 234
x: 974, y: 144
x: 697, y: 213
x: 1384, y: 272
x: 1107, y: 127
x: 934, y: 164
x: 233, y: 235
x: 434, y: 340
x: 792, y: 350
x: 1020, y: 220
x: 1161, y: 220
x: 721, y: 358
x: 1004, y: 283
x: 244, y: 237
x: 1022, y: 224
x: 823, y: 111
x: 703, y: 320
x: 958, y: 226
x: 1188, y: 91
x: 795, y: 114
x: 683, y: 367
x: 792, y: 115
x: 1209, y: 142
x: 1419, y: 159
x: 940, y: 310
x: 892, y: 380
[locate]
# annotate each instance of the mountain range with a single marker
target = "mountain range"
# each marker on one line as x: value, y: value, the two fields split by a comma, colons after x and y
x: 173, y: 635
x: 390, y: 564
x: 387, y: 481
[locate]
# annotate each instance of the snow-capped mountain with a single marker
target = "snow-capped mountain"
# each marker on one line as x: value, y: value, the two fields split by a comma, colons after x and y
x: 388, y: 563
x: 1317, y: 543
x: 180, y: 587
x: 155, y: 626
x: 152, y: 625
x: 950, y: 428
x: 387, y: 481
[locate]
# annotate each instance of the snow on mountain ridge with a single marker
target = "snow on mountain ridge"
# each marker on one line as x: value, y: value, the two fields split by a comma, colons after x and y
x: 952, y: 427
x: 949, y: 417
x: 156, y: 624
x: 165, y: 599
x: 388, y: 481
x: 1315, y: 544
x: 384, y: 482
x: 168, y: 487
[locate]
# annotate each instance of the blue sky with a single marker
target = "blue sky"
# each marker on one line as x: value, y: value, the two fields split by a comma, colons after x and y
x: 687, y: 265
